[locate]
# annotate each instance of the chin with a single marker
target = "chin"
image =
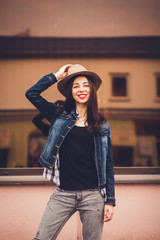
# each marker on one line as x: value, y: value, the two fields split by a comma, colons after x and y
x: 81, y: 102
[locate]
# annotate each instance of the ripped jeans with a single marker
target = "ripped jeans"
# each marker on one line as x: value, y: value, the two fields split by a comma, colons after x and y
x: 63, y: 204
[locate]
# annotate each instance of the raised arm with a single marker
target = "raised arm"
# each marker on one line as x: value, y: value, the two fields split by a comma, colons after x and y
x: 48, y: 109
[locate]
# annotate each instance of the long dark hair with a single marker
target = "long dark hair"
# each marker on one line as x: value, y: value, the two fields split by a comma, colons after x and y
x: 94, y: 118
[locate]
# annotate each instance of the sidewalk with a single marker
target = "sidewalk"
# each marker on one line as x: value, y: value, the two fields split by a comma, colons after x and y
x: 137, y: 214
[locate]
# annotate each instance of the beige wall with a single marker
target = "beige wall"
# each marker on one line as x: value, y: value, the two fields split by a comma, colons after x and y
x: 18, y: 75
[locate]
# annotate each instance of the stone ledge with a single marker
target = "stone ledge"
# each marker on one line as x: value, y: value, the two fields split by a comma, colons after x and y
x: 40, y: 180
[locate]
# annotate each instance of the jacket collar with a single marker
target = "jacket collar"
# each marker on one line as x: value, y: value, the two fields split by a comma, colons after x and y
x: 74, y: 113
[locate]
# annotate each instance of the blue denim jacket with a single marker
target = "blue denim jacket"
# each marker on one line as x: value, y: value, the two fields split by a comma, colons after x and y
x: 60, y: 127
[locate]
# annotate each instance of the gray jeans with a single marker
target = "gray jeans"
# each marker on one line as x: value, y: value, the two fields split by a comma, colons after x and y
x: 63, y: 204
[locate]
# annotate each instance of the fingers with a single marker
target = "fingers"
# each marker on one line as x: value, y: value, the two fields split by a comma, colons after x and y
x: 63, y: 71
x: 66, y: 67
x: 108, y: 213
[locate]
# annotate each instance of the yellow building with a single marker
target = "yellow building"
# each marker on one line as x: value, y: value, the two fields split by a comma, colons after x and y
x: 129, y: 96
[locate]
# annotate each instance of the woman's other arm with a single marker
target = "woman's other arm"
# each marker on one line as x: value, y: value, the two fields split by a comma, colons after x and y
x: 110, y: 189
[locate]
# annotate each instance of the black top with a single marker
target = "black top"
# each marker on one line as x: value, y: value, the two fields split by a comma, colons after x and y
x: 77, y: 164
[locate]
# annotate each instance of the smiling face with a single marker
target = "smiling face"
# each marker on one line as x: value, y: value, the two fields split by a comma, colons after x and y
x: 81, y: 90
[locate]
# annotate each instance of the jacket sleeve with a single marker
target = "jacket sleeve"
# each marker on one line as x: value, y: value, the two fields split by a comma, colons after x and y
x: 48, y: 109
x: 38, y: 122
x: 110, y: 189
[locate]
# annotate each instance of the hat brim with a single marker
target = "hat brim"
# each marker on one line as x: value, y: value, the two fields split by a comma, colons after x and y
x: 62, y: 84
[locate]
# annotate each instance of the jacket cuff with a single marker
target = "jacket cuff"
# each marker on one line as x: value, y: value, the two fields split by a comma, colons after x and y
x: 111, y: 200
x: 52, y: 78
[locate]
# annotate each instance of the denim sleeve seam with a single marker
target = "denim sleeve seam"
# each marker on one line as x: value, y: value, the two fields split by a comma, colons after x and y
x: 52, y: 78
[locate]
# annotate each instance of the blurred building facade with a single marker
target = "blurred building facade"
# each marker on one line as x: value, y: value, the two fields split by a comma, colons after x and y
x: 129, y: 97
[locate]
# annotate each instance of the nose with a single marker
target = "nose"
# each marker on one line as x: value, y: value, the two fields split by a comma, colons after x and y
x: 81, y: 88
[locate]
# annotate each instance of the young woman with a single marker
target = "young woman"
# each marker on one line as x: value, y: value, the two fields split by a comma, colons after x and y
x: 77, y: 155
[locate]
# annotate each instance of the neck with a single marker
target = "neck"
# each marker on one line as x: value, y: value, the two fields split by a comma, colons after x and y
x: 82, y: 109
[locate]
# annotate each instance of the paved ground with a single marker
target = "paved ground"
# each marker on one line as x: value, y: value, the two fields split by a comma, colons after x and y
x: 137, y: 214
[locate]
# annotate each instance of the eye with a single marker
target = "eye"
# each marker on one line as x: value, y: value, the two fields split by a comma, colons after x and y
x: 75, y: 86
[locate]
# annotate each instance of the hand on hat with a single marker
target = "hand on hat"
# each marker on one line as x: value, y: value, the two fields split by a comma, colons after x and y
x: 63, y: 71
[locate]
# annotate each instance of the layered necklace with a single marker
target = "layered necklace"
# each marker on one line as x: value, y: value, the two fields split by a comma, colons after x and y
x: 81, y: 119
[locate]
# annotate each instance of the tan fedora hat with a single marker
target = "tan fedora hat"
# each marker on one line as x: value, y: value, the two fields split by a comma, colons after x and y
x: 78, y: 70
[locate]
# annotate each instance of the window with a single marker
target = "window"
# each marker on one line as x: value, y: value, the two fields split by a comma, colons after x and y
x: 20, y: 140
x: 123, y: 156
x: 158, y: 86
x: 119, y: 87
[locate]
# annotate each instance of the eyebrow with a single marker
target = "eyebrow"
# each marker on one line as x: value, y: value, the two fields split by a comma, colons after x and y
x: 78, y: 83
